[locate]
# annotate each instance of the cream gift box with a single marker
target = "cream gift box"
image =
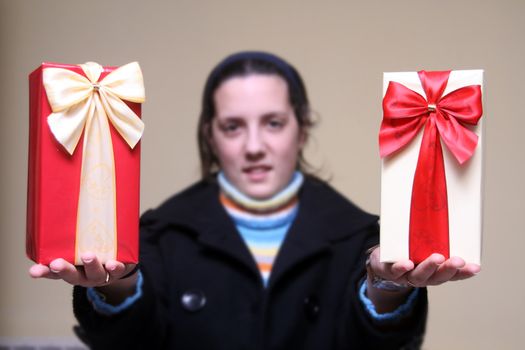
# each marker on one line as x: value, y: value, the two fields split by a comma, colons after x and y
x: 463, y: 177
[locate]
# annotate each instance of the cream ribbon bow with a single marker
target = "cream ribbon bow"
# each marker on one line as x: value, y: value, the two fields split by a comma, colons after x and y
x: 83, y: 104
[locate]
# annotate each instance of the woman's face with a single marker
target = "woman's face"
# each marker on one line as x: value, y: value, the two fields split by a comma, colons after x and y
x: 255, y: 134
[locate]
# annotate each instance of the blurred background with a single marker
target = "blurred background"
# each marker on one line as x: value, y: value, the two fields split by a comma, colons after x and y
x: 341, y: 48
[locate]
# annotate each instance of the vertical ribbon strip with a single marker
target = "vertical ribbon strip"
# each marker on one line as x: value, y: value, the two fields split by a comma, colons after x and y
x: 84, y: 105
x: 405, y: 112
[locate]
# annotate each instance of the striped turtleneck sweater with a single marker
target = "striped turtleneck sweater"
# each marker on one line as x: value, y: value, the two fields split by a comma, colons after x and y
x: 262, y: 224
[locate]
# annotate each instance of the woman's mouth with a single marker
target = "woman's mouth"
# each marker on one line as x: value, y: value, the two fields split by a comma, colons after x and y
x: 257, y: 173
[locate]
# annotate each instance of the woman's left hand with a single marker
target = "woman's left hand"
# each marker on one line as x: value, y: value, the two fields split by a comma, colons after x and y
x: 433, y: 271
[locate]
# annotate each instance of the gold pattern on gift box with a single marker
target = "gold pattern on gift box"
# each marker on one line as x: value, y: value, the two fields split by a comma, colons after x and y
x: 97, y: 181
x: 94, y: 238
x: 87, y: 105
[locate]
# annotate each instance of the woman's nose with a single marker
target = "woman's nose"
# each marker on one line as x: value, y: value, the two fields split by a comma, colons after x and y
x: 254, y: 143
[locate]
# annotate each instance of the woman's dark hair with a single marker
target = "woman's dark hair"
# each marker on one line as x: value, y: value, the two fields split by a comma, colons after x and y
x: 239, y: 65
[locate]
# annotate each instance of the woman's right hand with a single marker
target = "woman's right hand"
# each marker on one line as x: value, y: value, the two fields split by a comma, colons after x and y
x: 92, y: 274
x: 106, y: 277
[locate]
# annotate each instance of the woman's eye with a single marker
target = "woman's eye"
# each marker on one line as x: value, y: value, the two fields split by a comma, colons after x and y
x: 275, y: 124
x: 230, y: 127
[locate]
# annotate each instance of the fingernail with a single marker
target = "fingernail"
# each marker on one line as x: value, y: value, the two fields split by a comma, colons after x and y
x: 53, y: 270
x: 87, y: 257
x: 440, y: 258
x: 111, y: 267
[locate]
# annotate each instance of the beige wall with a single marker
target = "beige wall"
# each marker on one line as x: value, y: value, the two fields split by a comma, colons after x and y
x: 341, y: 48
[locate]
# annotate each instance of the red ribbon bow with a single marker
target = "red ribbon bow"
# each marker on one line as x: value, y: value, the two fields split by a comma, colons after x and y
x: 444, y: 117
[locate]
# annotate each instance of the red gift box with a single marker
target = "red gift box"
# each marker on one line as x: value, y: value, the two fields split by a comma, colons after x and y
x: 61, y: 185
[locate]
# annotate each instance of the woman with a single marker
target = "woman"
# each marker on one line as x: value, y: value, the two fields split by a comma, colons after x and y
x: 261, y: 255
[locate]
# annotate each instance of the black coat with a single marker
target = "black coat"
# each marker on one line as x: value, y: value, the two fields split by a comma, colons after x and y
x: 202, y: 289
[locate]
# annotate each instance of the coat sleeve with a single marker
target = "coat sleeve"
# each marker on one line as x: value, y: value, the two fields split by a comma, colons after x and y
x: 143, y: 324
x: 405, y: 333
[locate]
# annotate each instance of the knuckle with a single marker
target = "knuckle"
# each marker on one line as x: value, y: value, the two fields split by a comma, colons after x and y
x: 435, y: 282
x: 415, y: 284
x: 416, y: 280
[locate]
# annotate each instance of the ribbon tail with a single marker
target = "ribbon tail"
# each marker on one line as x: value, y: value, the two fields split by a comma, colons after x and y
x: 96, y: 219
x: 127, y: 123
x: 459, y: 139
x: 395, y: 134
x: 429, y: 228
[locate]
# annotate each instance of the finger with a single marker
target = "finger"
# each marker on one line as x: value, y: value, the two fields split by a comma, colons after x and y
x: 446, y: 271
x: 115, y: 269
x: 389, y: 271
x: 94, y: 271
x: 66, y: 271
x: 379, y: 269
x: 468, y: 271
x: 419, y: 276
x: 400, y: 268
x: 42, y: 271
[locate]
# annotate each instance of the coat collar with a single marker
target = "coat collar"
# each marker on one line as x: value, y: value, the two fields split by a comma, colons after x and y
x: 324, y: 217
x: 197, y: 211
